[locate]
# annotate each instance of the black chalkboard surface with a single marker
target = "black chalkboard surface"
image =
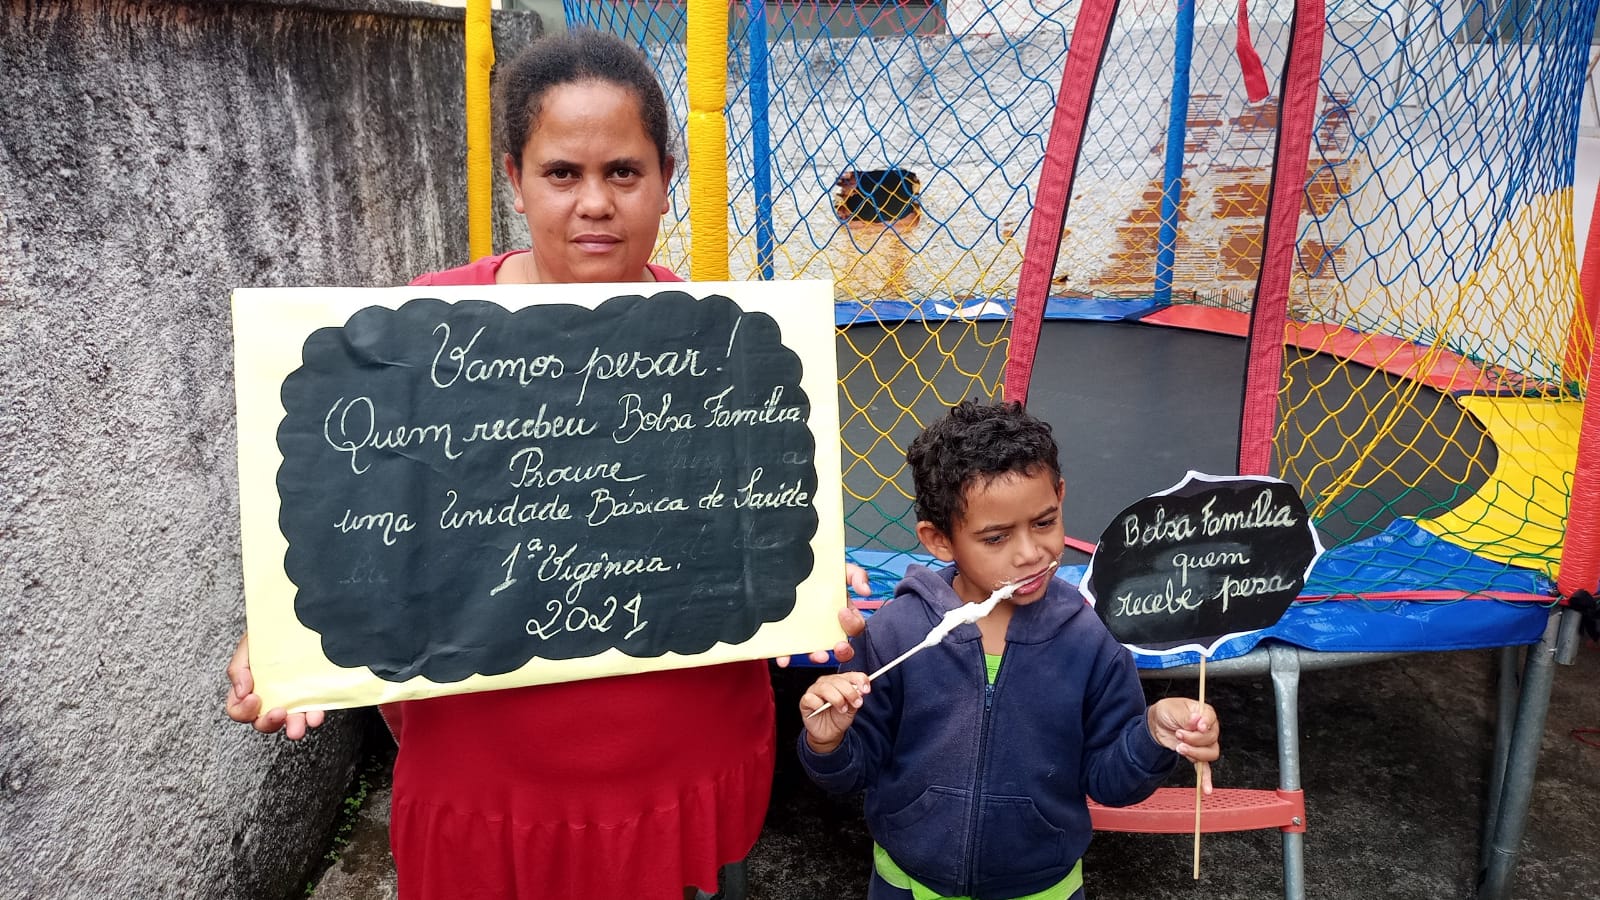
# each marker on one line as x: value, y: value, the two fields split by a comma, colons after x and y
x: 1211, y: 558
x: 465, y: 488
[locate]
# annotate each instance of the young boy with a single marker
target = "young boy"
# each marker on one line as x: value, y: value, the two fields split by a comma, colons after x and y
x: 978, y: 754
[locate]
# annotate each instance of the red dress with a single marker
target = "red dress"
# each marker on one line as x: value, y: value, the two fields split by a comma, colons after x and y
x: 627, y: 787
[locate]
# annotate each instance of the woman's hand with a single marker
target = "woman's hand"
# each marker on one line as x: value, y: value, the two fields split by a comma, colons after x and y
x: 850, y: 620
x: 844, y: 693
x: 244, y: 706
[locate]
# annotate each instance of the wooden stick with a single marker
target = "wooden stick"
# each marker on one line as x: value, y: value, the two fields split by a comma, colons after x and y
x: 966, y: 614
x: 873, y: 677
x: 1198, y: 780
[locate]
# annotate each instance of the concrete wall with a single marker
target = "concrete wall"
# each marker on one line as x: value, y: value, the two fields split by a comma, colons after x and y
x: 153, y: 156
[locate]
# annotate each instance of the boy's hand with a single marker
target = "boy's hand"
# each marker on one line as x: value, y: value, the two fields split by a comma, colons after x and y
x: 850, y: 620
x: 843, y: 692
x: 1189, y: 728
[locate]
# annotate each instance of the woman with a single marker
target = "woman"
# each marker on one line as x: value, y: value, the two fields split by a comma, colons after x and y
x: 593, y: 789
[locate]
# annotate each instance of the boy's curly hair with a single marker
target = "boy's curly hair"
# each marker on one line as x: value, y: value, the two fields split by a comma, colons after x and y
x: 974, y: 444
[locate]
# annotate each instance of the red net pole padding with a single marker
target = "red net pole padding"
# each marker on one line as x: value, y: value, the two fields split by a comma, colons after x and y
x: 1580, y: 552
x: 1297, y: 113
x: 1580, y: 334
x: 1089, y: 40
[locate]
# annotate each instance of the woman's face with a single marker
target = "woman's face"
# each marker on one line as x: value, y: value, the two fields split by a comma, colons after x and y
x: 591, y: 185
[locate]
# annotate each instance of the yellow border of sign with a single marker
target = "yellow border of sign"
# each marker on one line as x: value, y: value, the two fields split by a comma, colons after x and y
x: 270, y: 328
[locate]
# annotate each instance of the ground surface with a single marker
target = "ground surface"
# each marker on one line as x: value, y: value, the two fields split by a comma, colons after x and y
x: 1395, y: 761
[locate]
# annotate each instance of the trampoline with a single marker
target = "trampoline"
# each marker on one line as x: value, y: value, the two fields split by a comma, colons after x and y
x: 1136, y: 405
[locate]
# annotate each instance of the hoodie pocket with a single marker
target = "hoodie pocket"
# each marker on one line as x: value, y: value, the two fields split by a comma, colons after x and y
x: 926, y: 836
x: 1017, y: 840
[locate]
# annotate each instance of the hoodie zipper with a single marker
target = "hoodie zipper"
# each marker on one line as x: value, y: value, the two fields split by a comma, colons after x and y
x: 971, y: 853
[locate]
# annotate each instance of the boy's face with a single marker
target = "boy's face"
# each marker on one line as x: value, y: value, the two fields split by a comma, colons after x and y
x: 1011, y: 531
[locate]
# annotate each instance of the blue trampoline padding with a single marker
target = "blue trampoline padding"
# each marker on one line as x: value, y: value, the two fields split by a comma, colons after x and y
x: 1405, y: 557
x: 1350, y: 626
x: 985, y: 309
x: 1398, y: 626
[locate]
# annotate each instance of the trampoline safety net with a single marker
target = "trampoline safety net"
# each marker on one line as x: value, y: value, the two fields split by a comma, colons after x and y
x: 1437, y: 345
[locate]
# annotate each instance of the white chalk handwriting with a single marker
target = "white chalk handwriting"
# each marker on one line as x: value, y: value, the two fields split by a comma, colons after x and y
x: 352, y: 426
x: 523, y: 369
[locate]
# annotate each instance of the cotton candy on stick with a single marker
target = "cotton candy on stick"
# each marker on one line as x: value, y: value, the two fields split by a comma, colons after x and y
x: 965, y: 614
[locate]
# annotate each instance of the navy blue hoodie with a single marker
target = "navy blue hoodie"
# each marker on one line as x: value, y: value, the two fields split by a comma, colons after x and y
x: 979, y: 790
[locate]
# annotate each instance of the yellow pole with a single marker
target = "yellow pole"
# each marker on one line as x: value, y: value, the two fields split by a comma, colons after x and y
x: 480, y: 137
x: 707, y: 78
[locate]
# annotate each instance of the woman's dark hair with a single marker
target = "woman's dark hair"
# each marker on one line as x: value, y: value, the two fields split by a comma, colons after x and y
x: 555, y: 60
x: 975, y: 444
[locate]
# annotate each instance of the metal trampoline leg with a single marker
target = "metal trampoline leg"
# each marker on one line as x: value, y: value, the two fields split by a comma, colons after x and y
x: 1505, y: 715
x: 1516, y: 794
x: 1286, y: 691
x: 1567, y: 637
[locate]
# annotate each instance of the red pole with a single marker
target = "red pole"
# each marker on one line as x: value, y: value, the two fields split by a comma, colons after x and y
x: 1580, y: 552
x: 1269, y: 318
x: 1580, y: 334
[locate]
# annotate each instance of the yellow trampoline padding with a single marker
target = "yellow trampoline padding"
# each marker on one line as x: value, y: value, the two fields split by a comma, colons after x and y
x: 1519, y: 516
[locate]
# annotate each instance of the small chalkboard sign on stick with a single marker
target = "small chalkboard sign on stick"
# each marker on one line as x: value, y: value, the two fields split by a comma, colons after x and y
x: 1209, y: 559
x: 452, y: 489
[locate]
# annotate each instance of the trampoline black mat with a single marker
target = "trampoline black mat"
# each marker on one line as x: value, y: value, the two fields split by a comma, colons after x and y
x: 1136, y: 406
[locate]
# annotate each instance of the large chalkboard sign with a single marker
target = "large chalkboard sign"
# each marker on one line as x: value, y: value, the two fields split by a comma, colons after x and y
x: 1210, y: 558
x: 466, y: 488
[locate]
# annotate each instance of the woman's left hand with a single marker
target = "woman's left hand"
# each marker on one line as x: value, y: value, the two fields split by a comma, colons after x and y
x: 850, y: 620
